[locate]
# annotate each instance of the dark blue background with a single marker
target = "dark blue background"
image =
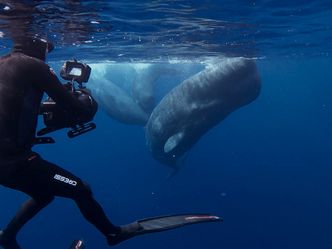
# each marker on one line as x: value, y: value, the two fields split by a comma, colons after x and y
x: 266, y: 169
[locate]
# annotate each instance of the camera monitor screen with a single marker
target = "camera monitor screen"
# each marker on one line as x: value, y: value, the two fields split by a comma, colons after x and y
x: 75, y: 71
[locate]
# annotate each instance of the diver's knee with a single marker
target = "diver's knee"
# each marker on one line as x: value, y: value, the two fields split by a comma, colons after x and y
x: 87, y: 188
x: 43, y: 200
x: 84, y: 191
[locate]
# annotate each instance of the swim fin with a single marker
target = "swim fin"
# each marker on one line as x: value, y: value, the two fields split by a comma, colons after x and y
x: 158, y: 224
x: 77, y: 244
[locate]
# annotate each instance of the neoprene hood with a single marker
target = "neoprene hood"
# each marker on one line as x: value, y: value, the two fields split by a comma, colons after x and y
x: 32, y: 46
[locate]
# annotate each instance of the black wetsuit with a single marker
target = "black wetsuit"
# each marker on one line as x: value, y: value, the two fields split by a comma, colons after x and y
x: 23, y: 81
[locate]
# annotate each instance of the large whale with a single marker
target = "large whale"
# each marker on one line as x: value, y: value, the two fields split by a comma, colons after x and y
x: 199, y: 103
x: 126, y: 92
x: 143, y: 86
x: 118, y: 104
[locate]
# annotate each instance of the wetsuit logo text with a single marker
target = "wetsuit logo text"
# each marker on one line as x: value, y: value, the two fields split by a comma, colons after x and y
x: 65, y: 180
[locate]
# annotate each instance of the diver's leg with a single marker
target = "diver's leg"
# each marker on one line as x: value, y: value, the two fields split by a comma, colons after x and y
x: 26, y: 212
x: 65, y: 184
x: 93, y: 212
x: 22, y: 174
x: 38, y: 177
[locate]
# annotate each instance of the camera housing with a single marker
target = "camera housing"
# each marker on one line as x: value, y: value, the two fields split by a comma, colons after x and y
x: 55, y: 117
x: 75, y: 71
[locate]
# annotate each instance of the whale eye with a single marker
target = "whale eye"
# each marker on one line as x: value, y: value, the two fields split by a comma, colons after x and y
x: 173, y: 141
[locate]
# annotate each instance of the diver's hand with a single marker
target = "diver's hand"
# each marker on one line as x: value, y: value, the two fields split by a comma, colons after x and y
x: 89, y: 106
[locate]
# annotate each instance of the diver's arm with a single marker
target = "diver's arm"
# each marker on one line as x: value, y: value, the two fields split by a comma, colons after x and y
x: 49, y: 83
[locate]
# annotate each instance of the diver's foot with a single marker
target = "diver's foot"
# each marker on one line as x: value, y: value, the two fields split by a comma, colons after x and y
x: 126, y: 232
x: 8, y: 242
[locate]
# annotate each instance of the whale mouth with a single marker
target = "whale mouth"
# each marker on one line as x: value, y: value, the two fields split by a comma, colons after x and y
x: 173, y: 141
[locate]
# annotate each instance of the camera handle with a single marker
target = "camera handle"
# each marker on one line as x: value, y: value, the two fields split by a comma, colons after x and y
x: 81, y: 129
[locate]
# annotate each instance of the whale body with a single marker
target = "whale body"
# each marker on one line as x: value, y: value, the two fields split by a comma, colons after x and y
x: 199, y: 103
x: 127, y: 92
x: 118, y: 104
x: 143, y: 87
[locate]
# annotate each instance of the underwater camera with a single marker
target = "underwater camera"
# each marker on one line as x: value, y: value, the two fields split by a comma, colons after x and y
x: 75, y: 71
x: 56, y: 118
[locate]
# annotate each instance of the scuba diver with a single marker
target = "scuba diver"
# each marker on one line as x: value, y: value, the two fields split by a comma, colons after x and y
x: 24, y: 78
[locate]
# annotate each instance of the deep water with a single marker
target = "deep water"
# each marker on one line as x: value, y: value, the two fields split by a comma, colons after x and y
x: 266, y: 169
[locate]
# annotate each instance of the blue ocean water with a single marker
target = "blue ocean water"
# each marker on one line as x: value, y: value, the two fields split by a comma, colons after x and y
x: 266, y: 169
